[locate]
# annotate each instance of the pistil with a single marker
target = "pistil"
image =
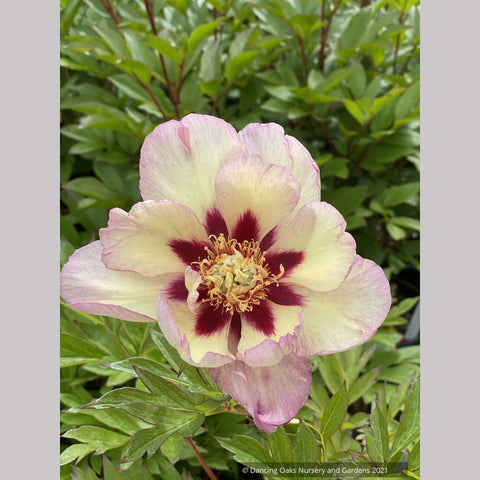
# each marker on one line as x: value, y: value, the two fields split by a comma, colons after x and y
x: 235, y: 275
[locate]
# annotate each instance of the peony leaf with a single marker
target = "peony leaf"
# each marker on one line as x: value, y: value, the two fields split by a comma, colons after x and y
x: 334, y: 413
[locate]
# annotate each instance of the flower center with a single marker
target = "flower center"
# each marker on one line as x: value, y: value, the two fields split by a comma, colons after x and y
x: 235, y: 275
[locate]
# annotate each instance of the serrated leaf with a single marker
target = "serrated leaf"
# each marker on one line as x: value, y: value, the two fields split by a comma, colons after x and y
x: 170, y: 354
x: 155, y: 404
x: 150, y: 440
x: 128, y: 365
x: 167, y: 392
x: 334, y: 413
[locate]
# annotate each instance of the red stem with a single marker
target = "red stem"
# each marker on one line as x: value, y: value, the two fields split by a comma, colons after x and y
x: 173, y: 97
x: 109, y: 8
x: 325, y: 32
x: 222, y: 94
x: 397, y: 43
x: 155, y: 101
x: 202, y: 461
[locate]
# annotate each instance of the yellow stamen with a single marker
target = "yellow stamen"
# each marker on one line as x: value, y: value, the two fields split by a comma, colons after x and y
x: 235, y: 274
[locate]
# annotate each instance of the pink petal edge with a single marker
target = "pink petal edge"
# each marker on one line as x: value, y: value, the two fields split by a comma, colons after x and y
x: 272, y: 395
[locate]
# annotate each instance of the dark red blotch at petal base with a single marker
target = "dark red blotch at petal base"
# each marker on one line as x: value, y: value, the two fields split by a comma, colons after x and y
x: 247, y: 227
x: 215, y: 223
x: 289, y: 259
x: 261, y: 318
x: 269, y: 239
x: 209, y: 320
x: 188, y: 250
x: 234, y: 333
x: 285, y: 295
x: 176, y: 290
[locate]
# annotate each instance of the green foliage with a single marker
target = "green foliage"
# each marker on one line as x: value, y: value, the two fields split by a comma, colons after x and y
x: 342, y: 76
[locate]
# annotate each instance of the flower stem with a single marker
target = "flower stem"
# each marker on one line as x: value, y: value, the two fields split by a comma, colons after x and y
x: 220, y: 96
x: 325, y: 31
x: 174, y: 98
x: 110, y: 10
x: 202, y: 461
x: 154, y: 100
x: 397, y: 43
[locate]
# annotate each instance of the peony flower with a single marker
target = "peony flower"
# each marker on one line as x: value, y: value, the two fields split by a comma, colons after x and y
x: 234, y: 255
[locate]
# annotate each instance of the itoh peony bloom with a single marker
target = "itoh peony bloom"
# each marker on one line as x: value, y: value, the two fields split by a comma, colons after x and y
x: 234, y: 255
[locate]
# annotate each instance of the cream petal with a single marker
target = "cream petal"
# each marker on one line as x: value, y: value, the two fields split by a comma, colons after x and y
x: 177, y: 323
x: 272, y: 395
x: 318, y: 232
x: 192, y: 281
x: 87, y: 285
x: 253, y: 197
x: 256, y: 348
x: 155, y: 237
x: 270, y: 142
x: 180, y: 160
x: 347, y: 316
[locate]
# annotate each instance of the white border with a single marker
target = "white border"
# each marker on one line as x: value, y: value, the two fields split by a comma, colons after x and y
x: 450, y: 286
x: 29, y: 85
